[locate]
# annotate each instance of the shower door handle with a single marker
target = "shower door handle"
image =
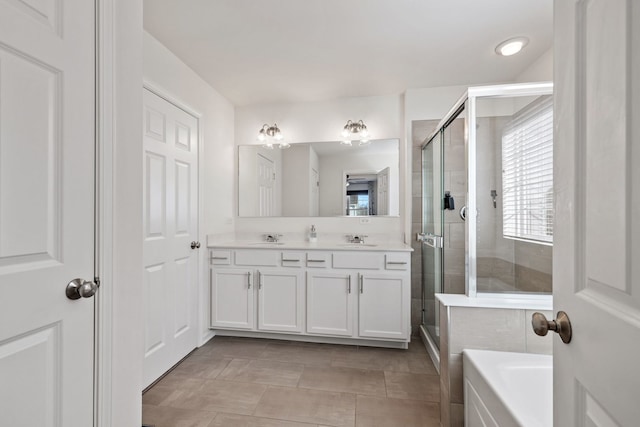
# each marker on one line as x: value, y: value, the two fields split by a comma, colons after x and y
x: 463, y: 213
x: 432, y: 240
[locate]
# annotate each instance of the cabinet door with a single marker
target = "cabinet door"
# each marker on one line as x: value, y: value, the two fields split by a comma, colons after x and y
x: 329, y: 303
x: 280, y: 299
x: 232, y: 298
x: 383, y: 306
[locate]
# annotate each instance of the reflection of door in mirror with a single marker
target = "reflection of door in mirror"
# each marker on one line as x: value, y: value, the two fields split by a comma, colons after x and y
x: 314, y: 192
x: 383, y: 192
x: 266, y: 184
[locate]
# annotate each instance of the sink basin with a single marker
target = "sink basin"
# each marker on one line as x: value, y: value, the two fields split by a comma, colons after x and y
x: 265, y: 243
x: 357, y: 245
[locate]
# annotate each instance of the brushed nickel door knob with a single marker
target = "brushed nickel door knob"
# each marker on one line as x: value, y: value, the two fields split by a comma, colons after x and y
x: 80, y: 288
x: 561, y: 325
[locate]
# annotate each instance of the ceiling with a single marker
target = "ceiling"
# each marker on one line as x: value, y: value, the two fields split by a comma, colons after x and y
x: 280, y: 51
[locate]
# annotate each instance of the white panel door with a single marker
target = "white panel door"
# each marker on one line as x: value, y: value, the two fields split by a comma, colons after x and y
x: 46, y: 211
x: 383, y: 192
x: 383, y: 306
x: 330, y: 303
x: 596, y: 268
x: 232, y: 298
x: 266, y: 186
x: 280, y: 300
x: 170, y: 219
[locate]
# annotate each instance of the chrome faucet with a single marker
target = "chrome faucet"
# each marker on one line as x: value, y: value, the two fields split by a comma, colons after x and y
x: 356, y: 238
x: 272, y: 238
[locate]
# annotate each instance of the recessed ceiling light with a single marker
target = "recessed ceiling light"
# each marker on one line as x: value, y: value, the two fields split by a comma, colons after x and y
x: 511, y: 46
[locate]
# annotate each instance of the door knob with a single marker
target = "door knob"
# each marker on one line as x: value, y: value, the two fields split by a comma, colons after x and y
x: 80, y: 288
x: 561, y: 326
x: 195, y: 245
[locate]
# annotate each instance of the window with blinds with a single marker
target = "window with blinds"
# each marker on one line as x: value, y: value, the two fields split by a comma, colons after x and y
x: 527, y: 173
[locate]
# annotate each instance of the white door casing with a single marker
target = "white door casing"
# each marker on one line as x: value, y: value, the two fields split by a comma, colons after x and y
x: 596, y: 268
x: 170, y: 221
x: 47, y: 143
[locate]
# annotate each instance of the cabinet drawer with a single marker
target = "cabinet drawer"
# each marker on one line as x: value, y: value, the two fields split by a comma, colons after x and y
x: 318, y: 259
x: 292, y: 259
x: 220, y: 256
x: 261, y: 258
x: 358, y: 260
x: 397, y: 261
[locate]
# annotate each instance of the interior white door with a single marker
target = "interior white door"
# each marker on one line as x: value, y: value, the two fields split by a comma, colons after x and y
x: 596, y: 268
x: 170, y: 225
x: 47, y: 108
x: 383, y: 192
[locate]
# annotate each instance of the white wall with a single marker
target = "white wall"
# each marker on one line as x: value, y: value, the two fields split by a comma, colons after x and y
x: 540, y: 71
x: 165, y: 73
x: 323, y: 121
x: 295, y: 180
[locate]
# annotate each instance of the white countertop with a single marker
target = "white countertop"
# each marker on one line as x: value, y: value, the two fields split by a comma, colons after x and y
x: 320, y: 245
x: 513, y: 301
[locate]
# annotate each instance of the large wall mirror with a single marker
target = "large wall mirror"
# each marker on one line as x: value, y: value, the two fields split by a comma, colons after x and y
x: 319, y: 179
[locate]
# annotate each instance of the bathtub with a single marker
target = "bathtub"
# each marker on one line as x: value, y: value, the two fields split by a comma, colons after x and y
x: 507, y: 389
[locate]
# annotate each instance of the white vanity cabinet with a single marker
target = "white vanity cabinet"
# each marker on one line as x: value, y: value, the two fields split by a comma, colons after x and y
x: 382, y: 310
x: 330, y: 303
x: 341, y: 294
x: 280, y: 300
x: 232, y: 298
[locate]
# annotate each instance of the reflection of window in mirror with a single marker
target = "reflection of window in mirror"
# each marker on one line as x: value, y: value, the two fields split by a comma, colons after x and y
x: 358, y: 203
x: 361, y: 190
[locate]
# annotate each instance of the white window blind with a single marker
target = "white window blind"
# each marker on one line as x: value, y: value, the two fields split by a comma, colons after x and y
x: 527, y: 173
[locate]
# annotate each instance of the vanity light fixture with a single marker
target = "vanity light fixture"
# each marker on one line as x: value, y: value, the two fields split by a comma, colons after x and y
x: 511, y: 46
x: 270, y: 134
x: 355, y: 131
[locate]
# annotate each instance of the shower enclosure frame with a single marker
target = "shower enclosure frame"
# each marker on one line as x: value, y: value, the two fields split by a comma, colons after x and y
x: 470, y: 134
x: 467, y: 105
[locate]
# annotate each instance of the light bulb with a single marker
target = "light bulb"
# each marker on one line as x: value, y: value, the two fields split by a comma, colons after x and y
x: 346, y: 142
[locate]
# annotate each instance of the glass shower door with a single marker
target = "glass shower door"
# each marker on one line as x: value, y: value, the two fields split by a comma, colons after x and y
x: 432, y: 226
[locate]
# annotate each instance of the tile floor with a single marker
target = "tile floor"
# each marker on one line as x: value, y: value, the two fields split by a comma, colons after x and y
x: 245, y: 382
